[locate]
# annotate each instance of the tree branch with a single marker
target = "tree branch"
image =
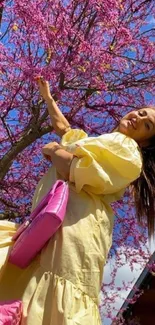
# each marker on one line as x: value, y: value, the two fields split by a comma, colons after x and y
x: 8, y: 215
x: 8, y: 203
x: 1, y: 10
x: 20, y: 145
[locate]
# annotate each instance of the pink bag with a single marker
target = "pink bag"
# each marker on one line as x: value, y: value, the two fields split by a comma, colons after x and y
x: 44, y: 221
x: 10, y: 312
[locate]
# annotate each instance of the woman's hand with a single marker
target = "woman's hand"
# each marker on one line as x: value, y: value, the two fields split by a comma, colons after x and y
x: 44, y: 88
x: 60, y: 158
x: 49, y: 148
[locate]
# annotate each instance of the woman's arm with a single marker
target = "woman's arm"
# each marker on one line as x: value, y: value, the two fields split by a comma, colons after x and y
x: 59, y: 122
x: 60, y: 158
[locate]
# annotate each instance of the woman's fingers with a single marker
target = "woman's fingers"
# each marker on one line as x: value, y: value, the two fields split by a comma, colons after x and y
x: 43, y: 87
x: 49, y: 148
x: 47, y: 157
x: 40, y: 80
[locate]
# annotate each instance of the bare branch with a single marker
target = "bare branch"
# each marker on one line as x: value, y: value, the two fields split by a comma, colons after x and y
x: 1, y: 10
x: 8, y: 215
x: 7, y: 130
x: 8, y: 203
x: 20, y: 145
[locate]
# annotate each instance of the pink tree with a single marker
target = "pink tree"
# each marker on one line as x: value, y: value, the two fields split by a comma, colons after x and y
x: 98, y: 57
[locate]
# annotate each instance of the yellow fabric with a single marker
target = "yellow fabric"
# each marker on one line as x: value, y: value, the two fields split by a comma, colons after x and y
x: 7, y: 230
x: 61, y: 286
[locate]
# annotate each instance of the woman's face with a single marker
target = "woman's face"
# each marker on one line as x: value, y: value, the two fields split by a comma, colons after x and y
x: 139, y: 125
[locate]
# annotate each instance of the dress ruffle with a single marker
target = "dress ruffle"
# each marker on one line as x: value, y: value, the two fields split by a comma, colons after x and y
x: 81, y: 309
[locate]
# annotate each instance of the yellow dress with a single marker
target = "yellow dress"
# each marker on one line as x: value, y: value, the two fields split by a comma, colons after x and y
x: 61, y: 286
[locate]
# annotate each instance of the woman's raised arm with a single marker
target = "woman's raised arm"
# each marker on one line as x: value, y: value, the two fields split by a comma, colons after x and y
x: 59, y: 122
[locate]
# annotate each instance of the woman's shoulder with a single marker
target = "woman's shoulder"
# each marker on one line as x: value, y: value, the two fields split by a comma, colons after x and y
x: 72, y: 136
x: 122, y: 146
x: 120, y: 140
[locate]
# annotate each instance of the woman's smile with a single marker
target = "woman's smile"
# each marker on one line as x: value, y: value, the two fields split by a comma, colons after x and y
x: 139, y: 125
x: 133, y: 123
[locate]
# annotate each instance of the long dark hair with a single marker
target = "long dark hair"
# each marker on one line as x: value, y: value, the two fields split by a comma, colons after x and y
x: 144, y: 188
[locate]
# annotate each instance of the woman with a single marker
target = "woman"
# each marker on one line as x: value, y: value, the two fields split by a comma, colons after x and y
x: 61, y: 286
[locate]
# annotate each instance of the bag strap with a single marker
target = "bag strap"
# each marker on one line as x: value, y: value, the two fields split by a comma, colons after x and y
x: 46, y: 199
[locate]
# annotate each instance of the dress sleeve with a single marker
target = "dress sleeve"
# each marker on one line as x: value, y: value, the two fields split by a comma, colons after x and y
x: 72, y: 136
x: 106, y: 164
